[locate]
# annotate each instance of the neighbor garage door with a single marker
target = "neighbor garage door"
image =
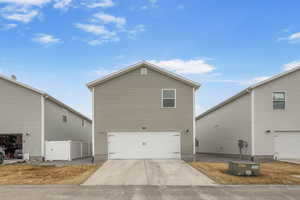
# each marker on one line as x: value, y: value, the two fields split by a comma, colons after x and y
x: 143, y: 145
x: 287, y: 145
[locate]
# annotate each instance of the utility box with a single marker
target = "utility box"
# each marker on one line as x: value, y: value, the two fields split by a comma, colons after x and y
x: 244, y: 168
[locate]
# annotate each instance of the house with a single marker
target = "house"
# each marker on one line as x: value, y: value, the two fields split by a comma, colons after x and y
x: 143, y: 112
x: 29, y: 117
x: 266, y: 116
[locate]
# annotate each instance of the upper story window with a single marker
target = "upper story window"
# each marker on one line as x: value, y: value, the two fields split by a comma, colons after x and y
x: 82, y: 123
x: 279, y: 99
x: 64, y: 118
x: 168, y: 99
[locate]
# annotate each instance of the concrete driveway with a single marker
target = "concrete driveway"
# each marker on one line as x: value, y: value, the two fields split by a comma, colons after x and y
x: 147, y: 172
x: 149, y: 192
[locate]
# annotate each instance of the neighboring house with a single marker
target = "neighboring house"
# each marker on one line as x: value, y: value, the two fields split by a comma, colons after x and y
x: 265, y: 115
x: 143, y: 112
x: 29, y: 117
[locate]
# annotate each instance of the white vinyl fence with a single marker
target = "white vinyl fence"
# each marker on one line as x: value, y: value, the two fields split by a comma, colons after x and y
x: 66, y: 150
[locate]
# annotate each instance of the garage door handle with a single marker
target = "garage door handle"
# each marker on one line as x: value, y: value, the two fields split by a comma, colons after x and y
x: 176, y: 152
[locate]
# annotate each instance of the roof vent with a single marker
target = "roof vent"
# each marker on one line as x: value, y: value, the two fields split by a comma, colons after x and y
x: 144, y: 71
x: 13, y: 77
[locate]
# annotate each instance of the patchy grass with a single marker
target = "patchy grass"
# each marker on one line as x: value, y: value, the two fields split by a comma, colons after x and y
x: 271, y: 173
x: 19, y: 174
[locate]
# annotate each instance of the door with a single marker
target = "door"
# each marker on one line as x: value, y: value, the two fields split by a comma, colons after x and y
x: 143, y: 145
x: 287, y: 145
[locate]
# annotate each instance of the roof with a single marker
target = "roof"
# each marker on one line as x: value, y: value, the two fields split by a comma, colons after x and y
x: 138, y: 65
x: 246, y: 91
x: 44, y: 94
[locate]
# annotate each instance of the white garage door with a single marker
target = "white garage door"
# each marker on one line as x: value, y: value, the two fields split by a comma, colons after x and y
x: 143, y: 145
x: 287, y: 145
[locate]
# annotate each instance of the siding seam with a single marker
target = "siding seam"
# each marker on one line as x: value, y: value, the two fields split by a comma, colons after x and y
x: 42, y: 126
x: 252, y: 123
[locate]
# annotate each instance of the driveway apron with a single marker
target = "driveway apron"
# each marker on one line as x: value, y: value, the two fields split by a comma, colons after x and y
x: 148, y: 172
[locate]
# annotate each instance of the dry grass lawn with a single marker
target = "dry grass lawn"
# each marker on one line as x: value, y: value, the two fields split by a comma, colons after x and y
x: 20, y: 174
x: 271, y: 173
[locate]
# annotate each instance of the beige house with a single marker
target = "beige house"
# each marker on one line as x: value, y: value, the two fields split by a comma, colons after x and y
x: 29, y: 117
x: 143, y: 112
x: 266, y: 116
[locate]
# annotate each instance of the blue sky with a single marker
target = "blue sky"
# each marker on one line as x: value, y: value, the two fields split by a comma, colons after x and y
x: 60, y: 45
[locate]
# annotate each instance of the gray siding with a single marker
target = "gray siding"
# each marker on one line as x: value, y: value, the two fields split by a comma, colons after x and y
x: 220, y: 130
x: 56, y: 129
x: 20, y: 113
x: 265, y: 118
x: 132, y: 101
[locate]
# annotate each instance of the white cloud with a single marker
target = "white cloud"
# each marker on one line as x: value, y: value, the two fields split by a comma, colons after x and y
x: 62, y: 4
x: 24, y: 15
x: 135, y: 31
x: 199, y: 109
x: 196, y: 66
x: 106, y: 19
x: 240, y: 82
x: 153, y: 1
x: 103, y: 71
x: 7, y: 26
x: 46, y: 39
x: 100, y: 3
x: 254, y: 80
x: 103, y: 34
x: 293, y: 38
x: 96, y: 30
x: 291, y: 65
x: 26, y: 2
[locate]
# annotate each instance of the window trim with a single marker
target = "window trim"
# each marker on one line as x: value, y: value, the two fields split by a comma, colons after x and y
x: 162, y: 98
x: 285, y: 99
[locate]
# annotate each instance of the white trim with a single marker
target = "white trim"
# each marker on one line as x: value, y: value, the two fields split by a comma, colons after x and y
x: 194, y: 125
x: 42, y: 126
x: 137, y: 65
x: 285, y: 100
x: 47, y: 96
x: 252, y: 123
x: 93, y: 121
x: 162, y: 98
x: 233, y: 98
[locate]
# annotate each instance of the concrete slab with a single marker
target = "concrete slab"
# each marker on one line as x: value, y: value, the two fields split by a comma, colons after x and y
x: 149, y: 192
x: 148, y: 172
x: 294, y: 161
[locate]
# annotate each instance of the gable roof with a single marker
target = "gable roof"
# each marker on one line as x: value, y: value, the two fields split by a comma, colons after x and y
x: 138, y: 65
x: 247, y: 90
x: 45, y: 95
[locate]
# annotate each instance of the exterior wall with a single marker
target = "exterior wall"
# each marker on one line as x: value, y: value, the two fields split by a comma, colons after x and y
x: 265, y: 118
x: 57, y: 130
x: 220, y: 130
x: 133, y: 101
x: 20, y: 113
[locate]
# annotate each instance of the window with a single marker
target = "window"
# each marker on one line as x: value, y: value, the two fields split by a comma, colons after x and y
x: 65, y: 118
x: 168, y: 99
x: 82, y: 123
x: 278, y: 100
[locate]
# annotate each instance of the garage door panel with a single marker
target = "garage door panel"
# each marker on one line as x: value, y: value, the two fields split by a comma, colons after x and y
x: 287, y: 145
x: 137, y: 145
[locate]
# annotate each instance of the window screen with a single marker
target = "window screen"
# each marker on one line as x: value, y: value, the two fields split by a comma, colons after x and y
x: 168, y: 98
x: 278, y: 100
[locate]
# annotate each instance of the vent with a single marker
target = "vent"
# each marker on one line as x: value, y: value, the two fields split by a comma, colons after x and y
x: 144, y: 71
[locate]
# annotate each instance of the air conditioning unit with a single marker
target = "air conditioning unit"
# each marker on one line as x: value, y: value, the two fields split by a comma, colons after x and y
x: 244, y: 168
